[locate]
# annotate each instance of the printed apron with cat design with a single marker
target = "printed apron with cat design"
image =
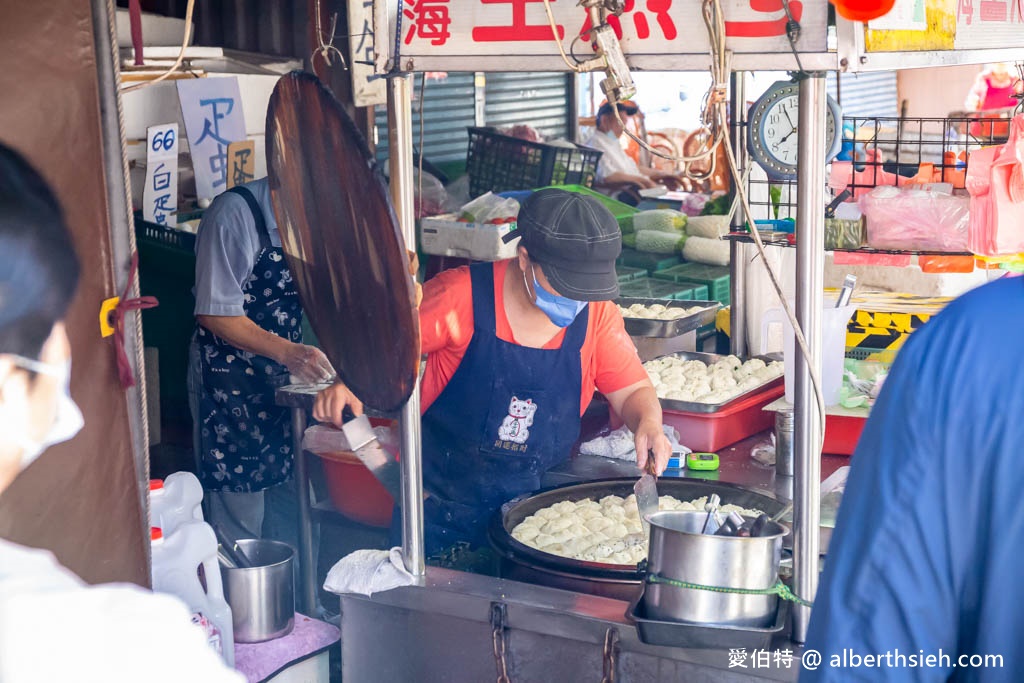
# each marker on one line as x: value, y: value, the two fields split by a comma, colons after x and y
x: 246, y: 439
x: 509, y: 414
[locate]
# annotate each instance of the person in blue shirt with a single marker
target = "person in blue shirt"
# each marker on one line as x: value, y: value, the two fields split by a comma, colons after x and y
x: 247, y: 343
x: 928, y: 549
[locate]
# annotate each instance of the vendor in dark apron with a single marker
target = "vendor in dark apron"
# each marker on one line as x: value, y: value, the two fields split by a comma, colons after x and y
x: 515, y: 350
x: 247, y: 344
x: 246, y: 438
x: 508, y: 415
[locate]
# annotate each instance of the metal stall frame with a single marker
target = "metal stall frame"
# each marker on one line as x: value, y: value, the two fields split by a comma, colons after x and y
x: 852, y: 55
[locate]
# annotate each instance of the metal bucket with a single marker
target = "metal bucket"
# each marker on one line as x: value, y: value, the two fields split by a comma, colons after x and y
x: 262, y: 597
x: 681, y: 552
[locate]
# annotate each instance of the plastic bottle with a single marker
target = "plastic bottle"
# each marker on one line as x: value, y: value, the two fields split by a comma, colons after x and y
x: 176, y: 559
x: 174, y: 501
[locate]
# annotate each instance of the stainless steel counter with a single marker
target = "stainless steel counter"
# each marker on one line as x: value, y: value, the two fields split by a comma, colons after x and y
x: 442, y: 631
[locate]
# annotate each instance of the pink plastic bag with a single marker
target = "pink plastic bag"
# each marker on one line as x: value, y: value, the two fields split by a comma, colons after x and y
x: 995, y: 180
x: 914, y: 219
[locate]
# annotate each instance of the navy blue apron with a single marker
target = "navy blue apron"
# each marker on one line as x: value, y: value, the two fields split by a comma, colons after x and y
x: 246, y: 439
x: 509, y: 414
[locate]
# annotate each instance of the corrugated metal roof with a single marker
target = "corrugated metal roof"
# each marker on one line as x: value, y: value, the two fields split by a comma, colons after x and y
x: 866, y: 94
x: 537, y: 99
x: 448, y: 108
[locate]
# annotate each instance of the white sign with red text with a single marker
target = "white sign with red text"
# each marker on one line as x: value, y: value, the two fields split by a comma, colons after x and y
x: 437, y: 29
x: 986, y: 24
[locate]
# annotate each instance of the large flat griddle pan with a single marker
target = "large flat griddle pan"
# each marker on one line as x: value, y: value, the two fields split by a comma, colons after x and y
x: 342, y: 241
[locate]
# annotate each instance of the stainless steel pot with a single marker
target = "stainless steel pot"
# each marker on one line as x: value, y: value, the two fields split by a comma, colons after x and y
x: 681, y: 552
x: 520, y: 562
x: 262, y: 597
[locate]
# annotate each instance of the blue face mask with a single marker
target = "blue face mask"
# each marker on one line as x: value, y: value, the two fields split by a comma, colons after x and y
x: 559, y: 309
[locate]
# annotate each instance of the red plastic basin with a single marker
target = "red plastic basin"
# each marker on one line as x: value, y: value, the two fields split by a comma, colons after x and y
x: 712, y: 431
x: 353, y: 490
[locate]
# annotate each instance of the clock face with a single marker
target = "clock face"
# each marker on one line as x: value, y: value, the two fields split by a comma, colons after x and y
x: 778, y: 132
x: 772, y: 132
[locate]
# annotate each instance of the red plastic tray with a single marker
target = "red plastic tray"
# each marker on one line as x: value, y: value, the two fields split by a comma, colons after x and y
x: 712, y: 431
x: 842, y: 434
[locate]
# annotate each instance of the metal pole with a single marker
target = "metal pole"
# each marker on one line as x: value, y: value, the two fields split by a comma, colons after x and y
x: 307, y: 571
x: 810, y: 266
x: 737, y: 268
x: 400, y: 165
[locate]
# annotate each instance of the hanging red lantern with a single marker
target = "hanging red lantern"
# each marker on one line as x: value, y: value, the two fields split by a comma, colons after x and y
x: 863, y: 10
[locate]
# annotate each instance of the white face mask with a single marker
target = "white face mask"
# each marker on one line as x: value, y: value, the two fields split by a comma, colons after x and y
x: 67, y: 421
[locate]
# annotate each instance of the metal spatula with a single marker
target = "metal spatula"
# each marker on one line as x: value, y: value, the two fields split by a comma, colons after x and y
x: 381, y: 463
x: 646, y: 490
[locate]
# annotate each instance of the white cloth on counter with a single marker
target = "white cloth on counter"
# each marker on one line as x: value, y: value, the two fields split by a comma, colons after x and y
x: 369, y: 571
x: 619, y: 444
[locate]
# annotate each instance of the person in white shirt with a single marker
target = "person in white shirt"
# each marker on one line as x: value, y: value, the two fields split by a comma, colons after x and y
x: 53, y: 627
x: 616, y: 169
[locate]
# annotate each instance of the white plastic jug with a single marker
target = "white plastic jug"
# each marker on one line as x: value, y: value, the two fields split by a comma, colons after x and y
x: 833, y: 347
x: 174, y: 501
x: 176, y: 561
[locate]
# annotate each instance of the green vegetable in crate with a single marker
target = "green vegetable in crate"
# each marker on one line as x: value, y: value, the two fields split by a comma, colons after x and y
x: 657, y: 242
x: 712, y: 227
x: 629, y: 240
x: 660, y: 220
x: 626, y: 225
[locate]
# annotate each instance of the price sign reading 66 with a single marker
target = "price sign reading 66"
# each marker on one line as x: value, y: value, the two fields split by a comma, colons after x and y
x: 164, y: 139
x: 160, y: 195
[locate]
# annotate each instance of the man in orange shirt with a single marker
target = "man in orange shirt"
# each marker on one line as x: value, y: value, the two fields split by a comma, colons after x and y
x: 515, y: 350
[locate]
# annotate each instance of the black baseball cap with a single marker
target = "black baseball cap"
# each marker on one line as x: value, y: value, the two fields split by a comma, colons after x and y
x: 575, y: 238
x: 627, y: 107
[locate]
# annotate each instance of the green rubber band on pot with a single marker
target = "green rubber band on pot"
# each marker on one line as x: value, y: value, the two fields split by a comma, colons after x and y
x: 780, y: 589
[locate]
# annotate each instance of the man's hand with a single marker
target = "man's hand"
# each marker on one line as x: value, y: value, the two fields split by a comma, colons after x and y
x: 330, y: 404
x: 307, y: 364
x: 645, y: 182
x: 650, y: 436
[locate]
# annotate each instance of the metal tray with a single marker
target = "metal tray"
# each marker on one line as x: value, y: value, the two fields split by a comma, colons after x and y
x: 703, y: 636
x: 648, y: 327
x: 711, y: 359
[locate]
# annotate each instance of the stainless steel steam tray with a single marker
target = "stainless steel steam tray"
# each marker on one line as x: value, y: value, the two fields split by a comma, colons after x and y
x: 711, y: 359
x: 704, y: 314
x: 703, y: 636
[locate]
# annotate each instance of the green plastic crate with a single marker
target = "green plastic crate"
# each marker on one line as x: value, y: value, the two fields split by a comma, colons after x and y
x: 649, y: 262
x: 649, y: 288
x: 691, y: 292
x: 627, y: 274
x: 715, y: 278
x: 618, y: 209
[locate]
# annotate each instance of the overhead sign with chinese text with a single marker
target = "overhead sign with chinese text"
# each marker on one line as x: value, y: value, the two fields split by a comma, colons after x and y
x: 365, y: 92
x: 212, y: 110
x: 160, y: 195
x: 504, y: 35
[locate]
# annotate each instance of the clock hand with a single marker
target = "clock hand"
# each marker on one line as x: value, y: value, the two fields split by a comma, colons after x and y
x: 786, y: 112
x: 788, y: 136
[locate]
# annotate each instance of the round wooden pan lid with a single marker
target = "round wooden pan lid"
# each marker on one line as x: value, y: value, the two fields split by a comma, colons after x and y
x: 342, y: 242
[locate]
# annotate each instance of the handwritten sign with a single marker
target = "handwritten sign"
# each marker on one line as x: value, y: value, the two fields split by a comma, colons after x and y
x: 212, y: 109
x: 509, y: 29
x: 242, y: 158
x: 364, y: 91
x: 160, y: 195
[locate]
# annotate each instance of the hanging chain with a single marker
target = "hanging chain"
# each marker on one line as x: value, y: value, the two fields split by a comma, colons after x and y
x: 499, y: 638
x: 611, y: 651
